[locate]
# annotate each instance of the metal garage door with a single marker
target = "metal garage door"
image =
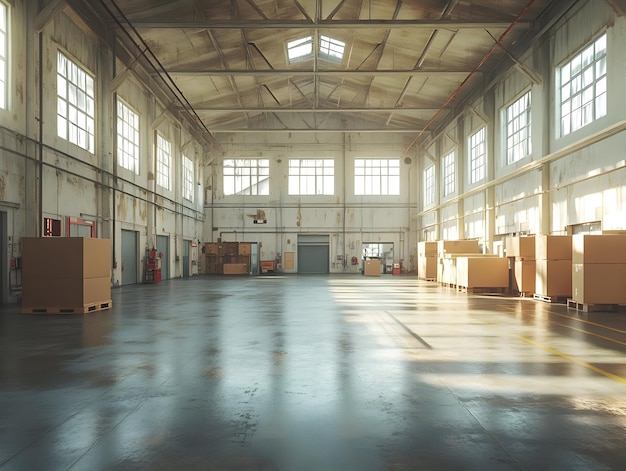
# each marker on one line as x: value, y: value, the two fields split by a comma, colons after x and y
x: 4, y: 268
x: 163, y: 246
x: 313, y: 253
x: 130, y: 259
x: 186, y: 245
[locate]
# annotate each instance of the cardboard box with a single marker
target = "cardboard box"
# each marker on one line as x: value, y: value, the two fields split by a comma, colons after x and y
x: 235, y: 269
x: 372, y: 267
x: 65, y: 293
x: 482, y: 272
x: 427, y: 248
x: 554, y: 278
x: 599, y: 283
x: 521, y: 247
x: 524, y: 276
x: 427, y: 267
x: 553, y: 247
x: 245, y: 248
x: 456, y: 246
x: 446, y: 271
x: 591, y: 248
x: 211, y: 248
x: 66, y: 257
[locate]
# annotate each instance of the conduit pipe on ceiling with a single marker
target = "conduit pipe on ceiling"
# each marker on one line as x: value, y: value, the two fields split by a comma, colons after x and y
x: 471, y: 74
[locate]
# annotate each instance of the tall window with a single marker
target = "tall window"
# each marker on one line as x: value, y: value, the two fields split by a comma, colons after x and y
x: 312, y: 177
x: 187, y: 178
x: 164, y: 162
x: 449, y: 175
x: 518, y: 144
x: 75, y: 104
x: 246, y: 177
x: 4, y: 66
x: 478, y: 153
x: 377, y: 177
x: 583, y: 87
x: 429, y: 186
x: 127, y: 138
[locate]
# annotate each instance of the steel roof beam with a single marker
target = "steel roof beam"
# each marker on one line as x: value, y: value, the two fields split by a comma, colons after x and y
x: 306, y: 73
x: 310, y: 110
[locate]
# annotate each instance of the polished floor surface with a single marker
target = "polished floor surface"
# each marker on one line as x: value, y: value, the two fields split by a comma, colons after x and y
x: 312, y: 373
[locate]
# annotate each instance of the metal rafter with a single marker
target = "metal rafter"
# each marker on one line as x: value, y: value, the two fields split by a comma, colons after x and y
x: 327, y: 24
x: 305, y: 73
x: 284, y: 109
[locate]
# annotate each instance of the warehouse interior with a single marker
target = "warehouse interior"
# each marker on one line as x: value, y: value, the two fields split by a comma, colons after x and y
x: 312, y: 234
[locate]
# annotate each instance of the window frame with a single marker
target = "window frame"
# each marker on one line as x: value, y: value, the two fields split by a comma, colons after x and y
x: 121, y: 149
x: 188, y: 176
x: 429, y: 185
x: 256, y: 175
x: 315, y: 179
x: 68, y: 124
x: 163, y: 166
x: 328, y: 49
x: 298, y: 43
x: 477, y: 155
x: 386, y: 181
x: 511, y: 144
x: 5, y: 32
x: 448, y: 173
x: 577, y: 88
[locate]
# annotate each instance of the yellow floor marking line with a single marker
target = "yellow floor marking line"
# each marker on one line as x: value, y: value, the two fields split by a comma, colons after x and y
x: 589, y: 333
x: 575, y: 360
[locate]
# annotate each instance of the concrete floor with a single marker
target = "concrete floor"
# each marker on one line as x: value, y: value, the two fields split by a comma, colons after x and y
x: 312, y: 373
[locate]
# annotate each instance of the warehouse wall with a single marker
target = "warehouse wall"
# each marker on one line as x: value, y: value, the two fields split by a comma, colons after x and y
x: 349, y: 220
x: 567, y: 180
x: 44, y: 176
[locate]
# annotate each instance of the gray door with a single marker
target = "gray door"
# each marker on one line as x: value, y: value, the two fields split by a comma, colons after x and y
x: 313, y: 254
x: 163, y: 246
x: 186, y: 245
x: 130, y: 258
x: 4, y: 268
x: 254, y: 258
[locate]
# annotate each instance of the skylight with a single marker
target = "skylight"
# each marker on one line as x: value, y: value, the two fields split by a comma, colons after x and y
x: 331, y: 49
x: 300, y: 49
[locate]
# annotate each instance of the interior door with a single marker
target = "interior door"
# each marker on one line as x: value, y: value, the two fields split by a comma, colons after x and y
x: 130, y: 258
x: 163, y: 246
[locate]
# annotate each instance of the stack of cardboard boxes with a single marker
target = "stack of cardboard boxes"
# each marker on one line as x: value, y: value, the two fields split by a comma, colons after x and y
x: 554, y: 266
x: 447, y: 252
x: 599, y: 269
x: 65, y: 274
x: 482, y: 272
x: 521, y: 254
x: 228, y: 258
x: 427, y: 261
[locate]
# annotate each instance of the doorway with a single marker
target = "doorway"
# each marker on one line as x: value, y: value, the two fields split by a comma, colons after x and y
x: 313, y: 254
x: 130, y: 259
x: 382, y: 251
x: 163, y: 246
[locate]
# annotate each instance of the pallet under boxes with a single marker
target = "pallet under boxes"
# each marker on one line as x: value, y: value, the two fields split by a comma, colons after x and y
x: 65, y: 275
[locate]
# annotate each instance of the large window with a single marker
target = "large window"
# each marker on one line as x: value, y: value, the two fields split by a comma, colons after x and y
x: 478, y: 154
x: 187, y: 178
x: 518, y: 143
x: 300, y: 49
x: 449, y: 174
x: 377, y: 177
x: 164, y: 162
x: 4, y: 47
x: 583, y: 87
x: 127, y: 138
x: 312, y: 177
x: 246, y: 176
x: 75, y: 104
x: 429, y: 186
x: 331, y: 49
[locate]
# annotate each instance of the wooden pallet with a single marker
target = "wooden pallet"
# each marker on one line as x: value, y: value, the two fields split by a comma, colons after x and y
x: 427, y: 279
x: 585, y: 307
x: 481, y: 290
x: 550, y: 299
x: 87, y: 308
x: 448, y: 285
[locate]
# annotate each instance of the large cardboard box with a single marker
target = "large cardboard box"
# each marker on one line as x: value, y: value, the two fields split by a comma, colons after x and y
x: 599, y: 283
x: 524, y: 276
x: 427, y: 248
x: 553, y: 247
x: 372, y: 267
x: 211, y: 248
x: 599, y: 248
x: 64, y: 293
x: 554, y: 278
x: 446, y: 271
x: 235, y: 269
x: 482, y: 272
x: 66, y: 257
x: 427, y: 267
x: 522, y: 247
x: 456, y: 246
